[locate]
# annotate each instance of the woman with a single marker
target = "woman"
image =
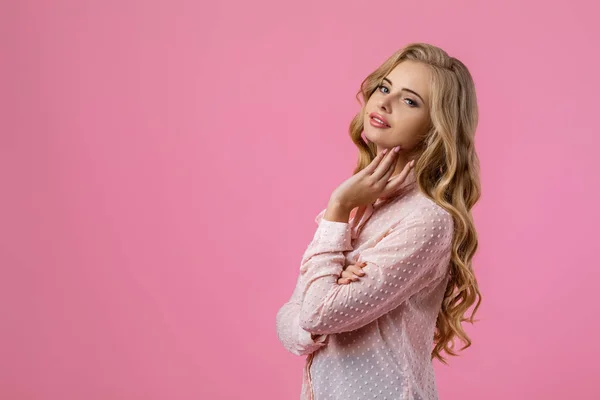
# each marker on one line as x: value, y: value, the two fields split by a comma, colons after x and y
x: 388, y: 273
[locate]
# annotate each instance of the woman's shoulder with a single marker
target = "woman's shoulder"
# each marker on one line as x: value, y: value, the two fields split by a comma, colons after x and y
x: 421, y: 205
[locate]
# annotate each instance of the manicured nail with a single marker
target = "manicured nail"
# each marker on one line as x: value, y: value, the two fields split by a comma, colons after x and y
x: 397, y: 149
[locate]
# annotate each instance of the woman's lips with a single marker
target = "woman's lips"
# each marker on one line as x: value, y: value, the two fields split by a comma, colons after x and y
x: 376, y: 124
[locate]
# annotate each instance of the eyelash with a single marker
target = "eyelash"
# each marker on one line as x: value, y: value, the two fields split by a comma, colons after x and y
x: 410, y: 105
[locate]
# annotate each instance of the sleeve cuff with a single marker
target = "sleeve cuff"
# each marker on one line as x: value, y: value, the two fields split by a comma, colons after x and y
x: 334, y: 234
x: 307, y: 341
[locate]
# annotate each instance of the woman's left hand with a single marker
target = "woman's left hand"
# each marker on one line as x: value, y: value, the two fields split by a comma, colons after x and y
x: 371, y: 182
x: 351, y: 273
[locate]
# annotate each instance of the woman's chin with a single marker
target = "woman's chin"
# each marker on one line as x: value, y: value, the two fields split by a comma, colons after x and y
x: 375, y: 138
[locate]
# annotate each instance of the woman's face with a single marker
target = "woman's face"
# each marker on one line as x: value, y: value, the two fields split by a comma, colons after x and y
x: 402, y: 101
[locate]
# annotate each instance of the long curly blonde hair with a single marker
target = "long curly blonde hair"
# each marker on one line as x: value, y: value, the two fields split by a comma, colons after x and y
x: 447, y: 171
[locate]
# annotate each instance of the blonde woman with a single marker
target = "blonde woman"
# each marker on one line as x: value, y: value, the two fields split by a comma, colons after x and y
x: 385, y: 283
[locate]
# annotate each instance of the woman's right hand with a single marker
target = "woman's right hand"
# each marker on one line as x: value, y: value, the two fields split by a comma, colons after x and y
x: 351, y: 273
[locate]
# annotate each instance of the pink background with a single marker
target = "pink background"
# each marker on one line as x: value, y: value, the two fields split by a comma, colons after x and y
x: 162, y: 163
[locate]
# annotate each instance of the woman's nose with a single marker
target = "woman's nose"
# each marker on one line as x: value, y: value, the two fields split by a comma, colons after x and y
x: 384, y: 106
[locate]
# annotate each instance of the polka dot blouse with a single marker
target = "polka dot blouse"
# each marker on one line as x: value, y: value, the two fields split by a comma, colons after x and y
x: 371, y: 338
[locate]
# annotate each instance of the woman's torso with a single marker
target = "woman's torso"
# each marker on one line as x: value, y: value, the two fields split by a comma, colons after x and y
x: 390, y: 358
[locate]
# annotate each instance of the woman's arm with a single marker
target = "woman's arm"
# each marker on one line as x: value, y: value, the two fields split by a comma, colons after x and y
x: 410, y: 257
x: 295, y: 339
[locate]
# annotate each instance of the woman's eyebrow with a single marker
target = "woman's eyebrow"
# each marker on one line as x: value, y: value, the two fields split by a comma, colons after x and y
x: 406, y: 89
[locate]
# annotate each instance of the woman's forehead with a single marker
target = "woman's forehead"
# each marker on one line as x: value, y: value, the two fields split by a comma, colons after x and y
x: 411, y: 75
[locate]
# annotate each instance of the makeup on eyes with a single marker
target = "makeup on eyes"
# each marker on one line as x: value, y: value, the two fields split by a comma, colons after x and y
x: 415, y: 104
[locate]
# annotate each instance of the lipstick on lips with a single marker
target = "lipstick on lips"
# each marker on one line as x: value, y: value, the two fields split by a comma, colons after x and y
x: 378, y: 121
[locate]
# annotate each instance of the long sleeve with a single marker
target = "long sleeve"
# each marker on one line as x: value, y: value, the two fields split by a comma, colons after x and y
x: 295, y: 339
x: 413, y: 254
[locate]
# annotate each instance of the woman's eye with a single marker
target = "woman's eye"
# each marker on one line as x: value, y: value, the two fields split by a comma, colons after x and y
x: 412, y: 102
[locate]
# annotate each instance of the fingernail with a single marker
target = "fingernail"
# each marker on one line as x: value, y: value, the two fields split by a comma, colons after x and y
x: 384, y: 151
x: 397, y: 149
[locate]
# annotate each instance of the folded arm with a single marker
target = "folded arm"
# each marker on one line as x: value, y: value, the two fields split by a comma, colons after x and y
x: 293, y: 338
x: 410, y: 257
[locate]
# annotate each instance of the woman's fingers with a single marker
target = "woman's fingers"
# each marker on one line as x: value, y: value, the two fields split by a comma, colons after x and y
x: 356, y: 270
x: 387, y: 166
x: 394, y: 183
x: 390, y: 170
x: 369, y: 169
x: 351, y: 273
x: 349, y: 277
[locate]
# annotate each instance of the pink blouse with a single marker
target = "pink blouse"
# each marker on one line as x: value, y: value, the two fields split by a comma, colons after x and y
x: 371, y: 338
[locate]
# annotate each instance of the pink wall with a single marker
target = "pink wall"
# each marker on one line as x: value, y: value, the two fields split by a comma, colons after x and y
x: 162, y: 163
